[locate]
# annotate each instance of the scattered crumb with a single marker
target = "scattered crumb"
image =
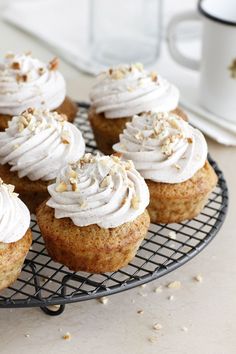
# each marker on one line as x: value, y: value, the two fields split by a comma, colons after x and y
x: 142, y: 294
x: 198, y: 278
x: 158, y: 289
x: 174, y: 285
x: 67, y: 336
x: 54, y: 307
x: 103, y: 300
x: 152, y: 339
x: 184, y: 329
x: 171, y: 297
x: 172, y: 235
x: 140, y: 312
x: 157, y: 326
x: 143, y: 286
x: 27, y: 335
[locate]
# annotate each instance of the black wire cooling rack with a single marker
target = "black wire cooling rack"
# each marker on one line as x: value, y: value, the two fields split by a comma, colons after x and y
x: 43, y: 282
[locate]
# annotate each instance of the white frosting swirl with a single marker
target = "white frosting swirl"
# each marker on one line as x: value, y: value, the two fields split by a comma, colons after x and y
x: 39, y: 143
x: 27, y: 82
x: 128, y: 90
x: 100, y: 190
x: 163, y: 147
x: 14, y: 215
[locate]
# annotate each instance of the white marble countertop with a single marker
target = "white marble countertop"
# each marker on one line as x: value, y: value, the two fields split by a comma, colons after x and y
x: 206, y: 310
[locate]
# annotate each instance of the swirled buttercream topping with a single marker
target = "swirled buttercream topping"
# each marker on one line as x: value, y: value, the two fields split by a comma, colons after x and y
x: 163, y: 147
x: 14, y: 215
x: 127, y: 90
x: 100, y: 190
x: 38, y: 143
x: 27, y: 82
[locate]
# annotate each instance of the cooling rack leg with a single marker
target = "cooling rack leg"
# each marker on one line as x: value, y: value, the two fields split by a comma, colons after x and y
x: 51, y: 312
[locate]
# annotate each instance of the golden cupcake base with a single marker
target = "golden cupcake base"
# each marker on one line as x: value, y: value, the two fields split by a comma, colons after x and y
x: 12, y: 256
x: 90, y: 248
x: 173, y: 203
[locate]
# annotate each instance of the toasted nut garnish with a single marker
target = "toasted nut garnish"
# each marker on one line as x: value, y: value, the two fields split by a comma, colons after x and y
x: 67, y: 336
x: 62, y: 187
x: 73, y: 173
x: 135, y: 202
x: 174, y: 124
x: 103, y: 300
x: 41, y: 71
x: 15, y: 65
x: 154, y: 76
x: 190, y: 140
x: 174, y: 285
x: 53, y: 64
x: 157, y: 326
x: 198, y: 278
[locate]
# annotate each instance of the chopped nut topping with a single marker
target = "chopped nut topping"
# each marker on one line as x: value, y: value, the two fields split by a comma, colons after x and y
x: 67, y: 336
x: 138, y: 66
x: 15, y: 65
x: 41, y: 71
x: 174, y: 124
x: 172, y: 235
x: 184, y: 329
x: 140, y: 312
x: 154, y: 76
x: 177, y: 166
x: 62, y: 187
x: 198, y: 278
x: 130, y: 89
x: 171, y: 297
x: 73, y: 173
x: 9, y: 55
x: 103, y: 300
x: 105, y: 182
x: 135, y: 202
x: 190, y: 140
x: 152, y: 339
x: 157, y: 326
x: 65, y: 138
x: 53, y: 64
x: 158, y: 289
x: 27, y: 335
x: 74, y: 185
x: 174, y: 285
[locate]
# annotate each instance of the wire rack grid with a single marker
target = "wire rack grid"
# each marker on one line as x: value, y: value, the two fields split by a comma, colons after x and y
x: 43, y: 283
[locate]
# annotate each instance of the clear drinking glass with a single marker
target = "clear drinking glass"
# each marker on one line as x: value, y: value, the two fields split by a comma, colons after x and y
x: 125, y: 31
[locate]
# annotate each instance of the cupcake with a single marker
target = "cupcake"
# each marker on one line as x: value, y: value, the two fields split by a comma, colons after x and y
x: 172, y: 157
x: 96, y: 218
x: 122, y: 92
x: 15, y: 235
x: 27, y: 82
x: 35, y: 146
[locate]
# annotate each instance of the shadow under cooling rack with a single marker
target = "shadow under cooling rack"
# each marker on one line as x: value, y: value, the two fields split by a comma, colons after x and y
x: 43, y: 282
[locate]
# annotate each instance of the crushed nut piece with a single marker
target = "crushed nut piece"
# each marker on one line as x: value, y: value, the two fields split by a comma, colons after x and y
x: 135, y: 202
x: 15, y: 65
x: 172, y: 235
x: 67, y: 336
x: 184, y: 329
x: 143, y: 286
x: 152, y: 339
x: 177, y: 166
x: 140, y: 312
x: 158, y: 289
x: 53, y: 64
x: 174, y: 285
x: 154, y: 76
x: 41, y: 71
x: 62, y: 187
x: 27, y: 335
x: 190, y: 140
x: 157, y: 326
x: 103, y: 300
x: 198, y: 278
x: 171, y: 297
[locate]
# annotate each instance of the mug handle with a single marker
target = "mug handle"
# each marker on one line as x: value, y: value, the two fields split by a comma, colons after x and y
x: 190, y: 63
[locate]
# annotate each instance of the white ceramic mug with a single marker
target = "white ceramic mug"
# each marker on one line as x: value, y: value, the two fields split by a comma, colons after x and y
x: 218, y: 60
